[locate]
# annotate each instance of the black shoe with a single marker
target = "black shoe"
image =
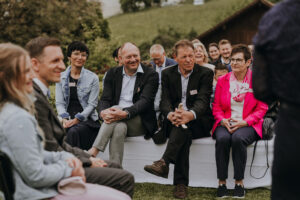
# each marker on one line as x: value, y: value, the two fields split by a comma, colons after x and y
x: 158, y: 168
x: 222, y: 191
x: 239, y: 191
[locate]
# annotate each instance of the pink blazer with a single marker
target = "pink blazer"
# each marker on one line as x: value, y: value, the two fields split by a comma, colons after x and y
x: 253, y: 110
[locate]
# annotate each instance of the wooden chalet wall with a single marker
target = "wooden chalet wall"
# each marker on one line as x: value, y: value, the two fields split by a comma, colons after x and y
x: 240, y: 27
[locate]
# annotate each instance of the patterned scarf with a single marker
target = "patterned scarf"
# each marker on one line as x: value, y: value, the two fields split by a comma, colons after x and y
x: 238, y: 90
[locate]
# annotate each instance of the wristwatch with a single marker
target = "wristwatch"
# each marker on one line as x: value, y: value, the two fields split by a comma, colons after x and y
x: 128, y: 114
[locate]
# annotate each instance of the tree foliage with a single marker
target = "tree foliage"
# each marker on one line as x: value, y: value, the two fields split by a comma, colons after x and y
x: 167, y: 37
x: 67, y: 20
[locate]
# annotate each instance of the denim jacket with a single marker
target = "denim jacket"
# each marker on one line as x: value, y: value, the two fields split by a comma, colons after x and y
x: 87, y: 90
x: 35, y: 170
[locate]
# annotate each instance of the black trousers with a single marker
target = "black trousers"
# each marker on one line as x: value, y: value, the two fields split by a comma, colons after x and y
x: 83, y: 134
x: 286, y: 164
x: 112, y: 176
x: 178, y: 148
x: 238, y: 141
x: 178, y: 152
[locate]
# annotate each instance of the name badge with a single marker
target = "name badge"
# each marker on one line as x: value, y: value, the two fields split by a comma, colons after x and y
x: 193, y: 92
x: 72, y: 84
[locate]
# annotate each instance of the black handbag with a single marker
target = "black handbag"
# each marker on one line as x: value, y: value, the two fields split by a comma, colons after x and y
x: 268, y: 128
x: 269, y: 121
x: 268, y: 131
x: 161, y: 135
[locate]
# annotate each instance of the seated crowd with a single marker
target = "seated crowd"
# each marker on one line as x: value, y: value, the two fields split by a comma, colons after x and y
x: 194, y: 95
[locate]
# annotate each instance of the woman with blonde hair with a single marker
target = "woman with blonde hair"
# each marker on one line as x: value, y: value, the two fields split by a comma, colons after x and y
x: 36, y: 171
x: 201, y: 56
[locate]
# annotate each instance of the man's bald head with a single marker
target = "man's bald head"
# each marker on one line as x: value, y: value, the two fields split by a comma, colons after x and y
x: 130, y: 57
x: 128, y: 45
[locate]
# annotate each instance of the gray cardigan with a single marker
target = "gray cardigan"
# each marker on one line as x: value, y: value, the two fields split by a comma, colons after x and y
x: 36, y: 171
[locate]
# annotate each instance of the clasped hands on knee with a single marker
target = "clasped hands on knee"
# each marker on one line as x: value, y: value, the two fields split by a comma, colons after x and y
x: 67, y: 123
x: 232, y: 124
x: 180, y: 117
x: 113, y: 114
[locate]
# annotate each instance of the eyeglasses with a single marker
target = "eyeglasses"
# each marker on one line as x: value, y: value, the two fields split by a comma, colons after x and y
x: 82, y: 54
x: 238, y: 60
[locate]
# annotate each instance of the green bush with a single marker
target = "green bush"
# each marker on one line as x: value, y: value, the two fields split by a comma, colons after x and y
x: 167, y: 38
x: 66, y: 20
x: 100, y: 58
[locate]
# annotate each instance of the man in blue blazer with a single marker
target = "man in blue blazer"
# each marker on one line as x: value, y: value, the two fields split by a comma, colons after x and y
x: 159, y: 62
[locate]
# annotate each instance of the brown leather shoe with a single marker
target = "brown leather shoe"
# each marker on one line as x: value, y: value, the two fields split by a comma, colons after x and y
x: 180, y: 191
x: 158, y: 168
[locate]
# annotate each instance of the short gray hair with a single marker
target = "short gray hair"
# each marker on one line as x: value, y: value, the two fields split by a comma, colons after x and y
x: 157, y: 48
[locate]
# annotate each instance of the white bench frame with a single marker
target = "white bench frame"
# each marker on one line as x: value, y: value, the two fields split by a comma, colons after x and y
x: 139, y: 152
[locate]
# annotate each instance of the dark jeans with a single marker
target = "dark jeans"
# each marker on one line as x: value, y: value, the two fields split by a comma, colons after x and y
x: 83, y: 134
x: 238, y: 141
x: 286, y: 164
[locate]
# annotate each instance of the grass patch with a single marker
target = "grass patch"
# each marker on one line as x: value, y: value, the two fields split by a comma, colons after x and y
x: 153, y: 191
x: 143, y: 26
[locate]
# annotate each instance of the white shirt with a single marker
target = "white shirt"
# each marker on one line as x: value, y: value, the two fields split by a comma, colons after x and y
x: 158, y: 93
x: 160, y: 68
x: 184, y: 85
x: 43, y: 87
x: 237, y: 109
x: 128, y: 83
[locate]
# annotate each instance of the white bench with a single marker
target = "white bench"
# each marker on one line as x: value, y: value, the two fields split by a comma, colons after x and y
x: 139, y: 152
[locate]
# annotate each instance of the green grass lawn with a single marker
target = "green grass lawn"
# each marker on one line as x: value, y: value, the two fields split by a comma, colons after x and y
x: 143, y: 26
x: 152, y: 191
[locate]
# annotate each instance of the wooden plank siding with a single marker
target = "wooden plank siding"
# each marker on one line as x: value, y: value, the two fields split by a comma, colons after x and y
x: 240, y: 27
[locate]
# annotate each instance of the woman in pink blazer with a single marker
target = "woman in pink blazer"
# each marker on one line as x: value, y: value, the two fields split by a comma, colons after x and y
x: 238, y: 119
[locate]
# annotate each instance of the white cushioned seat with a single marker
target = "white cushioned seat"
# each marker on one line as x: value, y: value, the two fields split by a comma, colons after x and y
x: 140, y: 152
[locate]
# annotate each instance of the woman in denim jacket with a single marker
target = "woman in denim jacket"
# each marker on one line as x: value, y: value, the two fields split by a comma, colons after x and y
x: 77, y: 98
